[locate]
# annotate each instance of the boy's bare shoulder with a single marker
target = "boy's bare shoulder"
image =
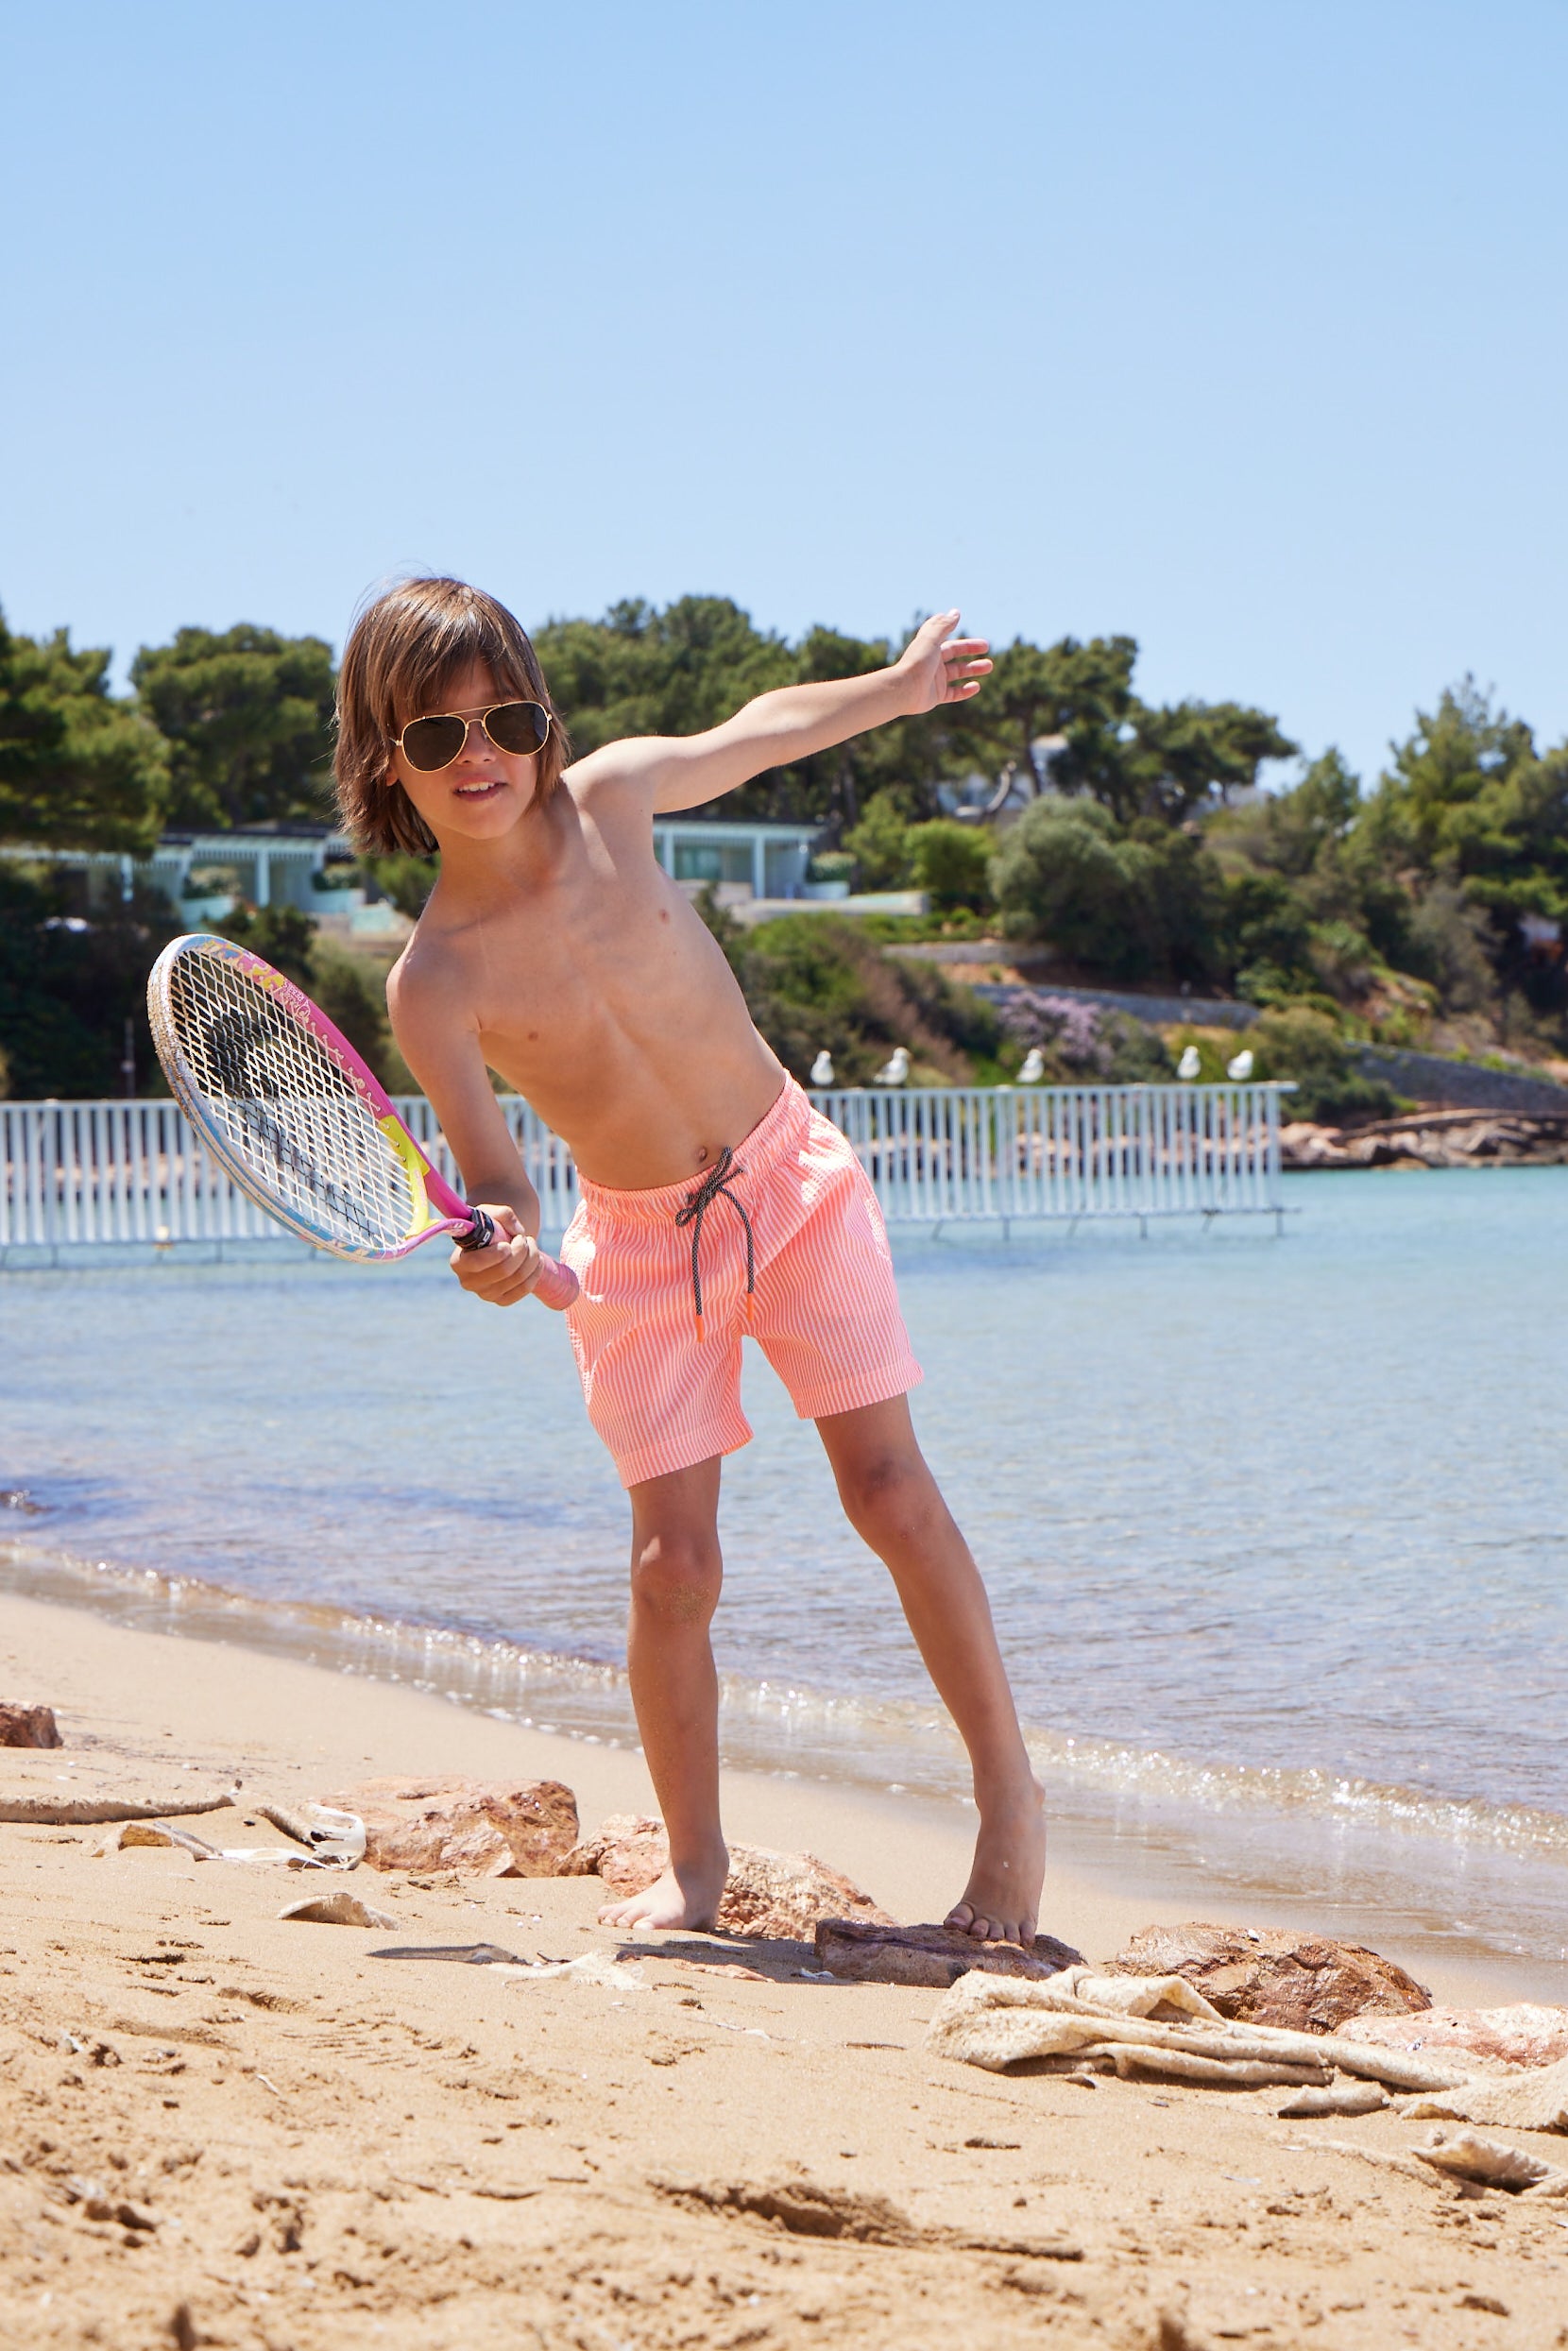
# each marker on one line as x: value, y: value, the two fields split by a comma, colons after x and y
x: 619, y: 771
x: 429, y: 979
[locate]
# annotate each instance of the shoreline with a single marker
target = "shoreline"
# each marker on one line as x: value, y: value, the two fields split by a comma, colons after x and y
x: 226, y: 2128
x: 1108, y: 1862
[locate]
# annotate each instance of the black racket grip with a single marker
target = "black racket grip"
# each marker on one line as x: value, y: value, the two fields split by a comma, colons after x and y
x: 557, y: 1286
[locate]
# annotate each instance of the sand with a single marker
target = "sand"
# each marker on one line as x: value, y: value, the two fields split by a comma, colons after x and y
x: 221, y: 2128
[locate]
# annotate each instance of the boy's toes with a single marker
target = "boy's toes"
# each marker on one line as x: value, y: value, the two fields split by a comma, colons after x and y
x: 978, y: 1925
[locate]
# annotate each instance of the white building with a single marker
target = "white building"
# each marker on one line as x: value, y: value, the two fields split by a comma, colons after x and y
x: 316, y: 868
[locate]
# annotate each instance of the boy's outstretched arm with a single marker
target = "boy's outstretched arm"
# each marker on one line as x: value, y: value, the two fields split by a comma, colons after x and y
x: 791, y: 722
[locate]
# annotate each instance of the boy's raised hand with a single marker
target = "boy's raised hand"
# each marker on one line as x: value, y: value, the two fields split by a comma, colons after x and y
x: 941, y: 669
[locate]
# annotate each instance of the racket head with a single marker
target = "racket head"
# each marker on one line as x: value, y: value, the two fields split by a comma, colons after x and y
x: 288, y: 1108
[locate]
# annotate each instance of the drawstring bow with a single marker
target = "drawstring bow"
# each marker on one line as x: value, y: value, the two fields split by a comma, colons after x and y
x: 714, y: 1185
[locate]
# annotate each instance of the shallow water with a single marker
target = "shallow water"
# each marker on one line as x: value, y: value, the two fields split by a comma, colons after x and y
x: 1272, y: 1527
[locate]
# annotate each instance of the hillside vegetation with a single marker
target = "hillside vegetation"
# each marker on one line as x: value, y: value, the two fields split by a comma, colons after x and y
x: 1422, y: 909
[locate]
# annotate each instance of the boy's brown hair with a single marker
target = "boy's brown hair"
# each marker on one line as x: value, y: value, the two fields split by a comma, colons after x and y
x: 402, y: 654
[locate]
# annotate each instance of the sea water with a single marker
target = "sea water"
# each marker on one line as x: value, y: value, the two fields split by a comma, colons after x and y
x: 1272, y: 1527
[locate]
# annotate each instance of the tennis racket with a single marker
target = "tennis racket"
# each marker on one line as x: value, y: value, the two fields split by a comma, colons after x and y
x: 285, y: 1103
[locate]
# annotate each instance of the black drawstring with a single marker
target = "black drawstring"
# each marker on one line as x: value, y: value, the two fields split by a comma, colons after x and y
x: 697, y: 1204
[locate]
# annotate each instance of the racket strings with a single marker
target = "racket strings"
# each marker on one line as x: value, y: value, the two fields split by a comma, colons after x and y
x: 284, y: 1106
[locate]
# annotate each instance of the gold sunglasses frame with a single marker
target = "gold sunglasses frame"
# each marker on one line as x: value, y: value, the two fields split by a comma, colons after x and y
x: 513, y: 701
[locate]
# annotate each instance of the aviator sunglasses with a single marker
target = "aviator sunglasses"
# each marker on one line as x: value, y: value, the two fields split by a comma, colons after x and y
x: 430, y: 743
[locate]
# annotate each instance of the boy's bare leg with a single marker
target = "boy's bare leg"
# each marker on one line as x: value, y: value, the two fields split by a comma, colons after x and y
x: 893, y: 1502
x: 676, y: 1572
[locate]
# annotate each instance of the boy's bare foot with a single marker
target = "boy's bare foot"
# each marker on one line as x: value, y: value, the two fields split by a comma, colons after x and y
x: 681, y: 1897
x: 1001, y: 1901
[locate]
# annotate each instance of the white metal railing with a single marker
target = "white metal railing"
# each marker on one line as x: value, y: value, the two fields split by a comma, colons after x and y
x: 83, y: 1174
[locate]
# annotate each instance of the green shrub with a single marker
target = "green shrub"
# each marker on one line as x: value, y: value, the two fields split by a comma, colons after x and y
x: 952, y: 862
x: 70, y: 981
x: 406, y: 880
x: 816, y: 981
x: 1295, y: 1041
x: 880, y: 843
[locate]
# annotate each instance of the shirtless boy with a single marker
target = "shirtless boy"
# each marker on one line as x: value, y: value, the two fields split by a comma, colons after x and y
x: 715, y: 1202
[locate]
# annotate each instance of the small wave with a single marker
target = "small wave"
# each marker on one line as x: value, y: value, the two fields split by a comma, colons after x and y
x: 768, y: 1726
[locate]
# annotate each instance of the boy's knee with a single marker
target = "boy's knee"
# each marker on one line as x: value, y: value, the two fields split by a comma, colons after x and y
x: 887, y: 1495
x: 678, y: 1577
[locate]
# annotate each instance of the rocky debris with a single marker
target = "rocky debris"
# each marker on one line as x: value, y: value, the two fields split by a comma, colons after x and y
x: 1525, y: 2034
x: 628, y: 1850
x: 1301, y: 1982
x: 1429, y: 1138
x: 337, y: 1910
x: 28, y: 1725
x: 474, y: 1828
x: 771, y: 1895
x: 862, y: 1953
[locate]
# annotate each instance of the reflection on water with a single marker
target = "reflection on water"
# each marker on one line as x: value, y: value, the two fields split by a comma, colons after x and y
x: 1272, y: 1529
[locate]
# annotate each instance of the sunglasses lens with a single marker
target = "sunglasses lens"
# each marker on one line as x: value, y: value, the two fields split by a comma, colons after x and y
x: 517, y: 727
x: 430, y: 744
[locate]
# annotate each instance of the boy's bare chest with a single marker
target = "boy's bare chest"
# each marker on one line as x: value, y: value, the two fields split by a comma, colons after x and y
x: 610, y: 955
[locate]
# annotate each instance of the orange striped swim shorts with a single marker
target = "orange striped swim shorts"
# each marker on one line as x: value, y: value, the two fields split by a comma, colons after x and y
x: 783, y: 1242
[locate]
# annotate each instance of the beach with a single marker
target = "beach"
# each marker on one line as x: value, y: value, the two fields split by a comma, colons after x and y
x: 226, y: 2128
x: 1271, y: 1530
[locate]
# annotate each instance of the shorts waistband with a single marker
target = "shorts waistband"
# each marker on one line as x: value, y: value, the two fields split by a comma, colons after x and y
x: 773, y: 1134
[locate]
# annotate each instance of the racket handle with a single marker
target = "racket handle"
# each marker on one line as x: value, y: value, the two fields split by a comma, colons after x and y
x: 557, y: 1286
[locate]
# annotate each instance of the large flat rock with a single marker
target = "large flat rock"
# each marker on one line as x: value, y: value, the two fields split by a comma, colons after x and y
x: 861, y: 1952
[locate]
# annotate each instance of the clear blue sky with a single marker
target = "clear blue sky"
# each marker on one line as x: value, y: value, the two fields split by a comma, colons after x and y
x: 1236, y: 327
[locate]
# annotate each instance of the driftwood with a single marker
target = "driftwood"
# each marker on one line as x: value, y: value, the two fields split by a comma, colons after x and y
x: 1179, y: 2065
x: 157, y: 1833
x: 337, y: 1910
x: 1535, y: 2099
x: 1490, y: 2164
x: 997, y: 2023
x: 85, y: 1812
x: 1352, y: 2098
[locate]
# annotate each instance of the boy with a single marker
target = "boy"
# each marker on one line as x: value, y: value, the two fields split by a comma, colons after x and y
x: 557, y: 951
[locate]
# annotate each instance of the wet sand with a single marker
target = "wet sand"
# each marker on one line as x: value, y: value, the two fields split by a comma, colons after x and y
x: 336, y: 2150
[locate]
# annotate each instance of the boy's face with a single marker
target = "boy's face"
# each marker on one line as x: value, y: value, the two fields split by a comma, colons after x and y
x: 483, y: 793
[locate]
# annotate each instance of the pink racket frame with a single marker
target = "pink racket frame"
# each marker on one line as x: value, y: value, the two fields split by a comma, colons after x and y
x: 557, y: 1286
